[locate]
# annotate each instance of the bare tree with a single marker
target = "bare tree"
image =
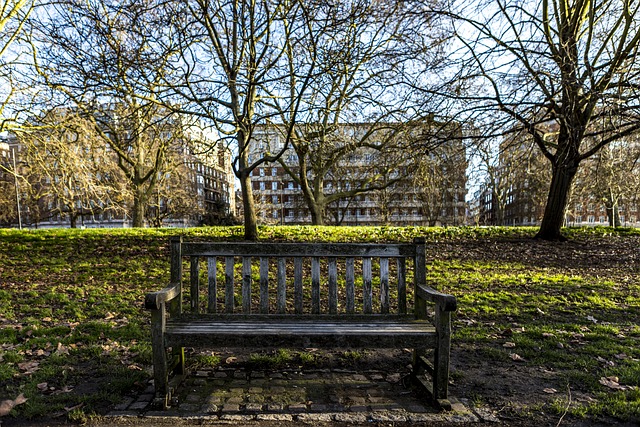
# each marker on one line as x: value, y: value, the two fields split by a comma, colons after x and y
x: 439, y: 184
x: 611, y: 177
x: 565, y: 72
x: 176, y: 192
x: 13, y: 15
x: 356, y: 107
x: 75, y: 175
x: 231, y: 64
x: 109, y: 59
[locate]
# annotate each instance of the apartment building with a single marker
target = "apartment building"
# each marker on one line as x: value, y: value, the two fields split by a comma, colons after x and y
x: 201, y: 181
x: 366, y: 186
x: 606, y: 189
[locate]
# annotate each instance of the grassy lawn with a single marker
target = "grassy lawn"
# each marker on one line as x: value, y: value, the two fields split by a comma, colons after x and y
x: 74, y: 337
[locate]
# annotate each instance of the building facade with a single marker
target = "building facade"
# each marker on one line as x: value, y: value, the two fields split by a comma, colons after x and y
x: 377, y: 189
x: 606, y: 189
x: 197, y: 189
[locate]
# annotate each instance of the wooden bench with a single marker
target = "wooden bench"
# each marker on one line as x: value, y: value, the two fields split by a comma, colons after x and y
x: 319, y: 295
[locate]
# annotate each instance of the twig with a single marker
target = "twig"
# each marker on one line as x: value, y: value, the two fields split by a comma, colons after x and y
x: 568, y: 405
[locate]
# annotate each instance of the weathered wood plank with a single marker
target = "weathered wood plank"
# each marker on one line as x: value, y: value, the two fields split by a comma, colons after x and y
x: 298, y: 333
x: 367, y: 289
x: 281, y: 293
x: 442, y: 354
x: 297, y: 249
x: 333, y: 286
x: 297, y: 285
x: 212, y: 272
x: 350, y: 283
x: 384, y: 285
x: 246, y: 284
x: 175, y: 306
x: 420, y: 277
x: 402, y: 285
x: 315, y: 285
x: 264, y: 285
x: 194, y: 297
x: 229, y: 272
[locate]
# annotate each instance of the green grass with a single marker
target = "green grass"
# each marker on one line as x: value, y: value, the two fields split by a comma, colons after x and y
x: 71, y: 302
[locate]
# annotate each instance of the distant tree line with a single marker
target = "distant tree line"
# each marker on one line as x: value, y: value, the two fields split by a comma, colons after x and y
x: 564, y: 73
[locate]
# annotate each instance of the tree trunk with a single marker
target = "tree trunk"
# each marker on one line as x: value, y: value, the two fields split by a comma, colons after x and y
x: 317, y: 208
x: 73, y: 220
x: 139, y: 206
x: 554, y: 212
x: 613, y: 214
x: 250, y: 218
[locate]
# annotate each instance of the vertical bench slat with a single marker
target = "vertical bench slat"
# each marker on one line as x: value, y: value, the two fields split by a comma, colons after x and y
x: 264, y: 285
x: 282, y: 286
x: 212, y: 272
x: 315, y: 285
x: 297, y: 285
x: 246, y: 284
x: 175, y: 306
x: 384, y: 285
x: 228, y: 283
x: 402, y: 285
x: 367, y: 291
x: 350, y: 282
x: 333, y: 286
x: 195, y: 284
x: 420, y: 276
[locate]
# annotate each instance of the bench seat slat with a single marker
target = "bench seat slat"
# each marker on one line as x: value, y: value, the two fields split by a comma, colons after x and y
x: 297, y: 332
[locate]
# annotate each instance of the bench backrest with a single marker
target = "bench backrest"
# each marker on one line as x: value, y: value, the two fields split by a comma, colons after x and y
x: 309, y: 278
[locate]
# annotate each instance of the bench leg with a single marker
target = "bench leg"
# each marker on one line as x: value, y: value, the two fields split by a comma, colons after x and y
x: 160, y: 365
x: 441, y: 356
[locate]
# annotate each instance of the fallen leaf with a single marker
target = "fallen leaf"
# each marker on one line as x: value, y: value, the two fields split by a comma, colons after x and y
x: 548, y: 335
x: 592, y: 319
x: 230, y: 360
x: 550, y: 390
x: 43, y: 386
x: 540, y: 311
x: 62, y: 349
x: 516, y: 357
x: 621, y: 356
x: 509, y: 345
x: 29, y: 367
x: 614, y: 383
x: 7, y: 405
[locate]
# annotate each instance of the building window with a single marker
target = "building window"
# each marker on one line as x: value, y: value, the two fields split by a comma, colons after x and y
x: 601, y: 219
x: 262, y: 187
x: 274, y: 185
x: 274, y: 199
x: 578, y: 219
x: 591, y: 219
x: 290, y: 185
x: 274, y: 171
x: 261, y: 171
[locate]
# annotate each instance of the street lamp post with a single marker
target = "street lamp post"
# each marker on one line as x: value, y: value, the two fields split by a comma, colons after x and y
x: 15, y: 176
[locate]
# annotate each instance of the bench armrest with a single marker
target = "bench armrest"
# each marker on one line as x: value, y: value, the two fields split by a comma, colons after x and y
x: 445, y: 301
x: 154, y: 300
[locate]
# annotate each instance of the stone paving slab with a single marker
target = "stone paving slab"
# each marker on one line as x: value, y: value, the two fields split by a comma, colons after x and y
x: 308, y: 397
